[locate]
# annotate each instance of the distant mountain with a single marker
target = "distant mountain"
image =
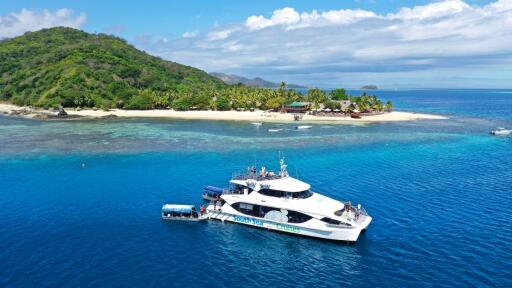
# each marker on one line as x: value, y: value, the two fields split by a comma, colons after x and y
x: 255, y: 82
x: 369, y: 87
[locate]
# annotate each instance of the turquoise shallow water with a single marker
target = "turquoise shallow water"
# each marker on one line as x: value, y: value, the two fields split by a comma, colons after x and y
x: 440, y: 193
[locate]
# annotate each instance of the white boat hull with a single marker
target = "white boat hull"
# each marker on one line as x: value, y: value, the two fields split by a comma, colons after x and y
x: 329, y: 232
x: 501, y: 132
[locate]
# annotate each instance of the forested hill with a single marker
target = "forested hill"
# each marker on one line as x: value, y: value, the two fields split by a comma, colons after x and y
x: 69, y: 67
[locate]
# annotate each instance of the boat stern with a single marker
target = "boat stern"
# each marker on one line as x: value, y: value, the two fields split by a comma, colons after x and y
x: 352, y: 234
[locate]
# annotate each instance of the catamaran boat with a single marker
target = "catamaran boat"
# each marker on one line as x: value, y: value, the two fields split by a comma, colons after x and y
x: 281, y: 203
x: 501, y: 131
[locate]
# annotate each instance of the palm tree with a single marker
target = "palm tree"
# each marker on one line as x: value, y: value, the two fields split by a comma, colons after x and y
x: 389, y: 106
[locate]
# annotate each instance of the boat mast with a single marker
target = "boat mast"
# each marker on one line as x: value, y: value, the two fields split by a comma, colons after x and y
x: 284, y: 172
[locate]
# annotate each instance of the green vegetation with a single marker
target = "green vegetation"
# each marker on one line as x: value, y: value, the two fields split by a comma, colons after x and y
x: 73, y: 68
x: 364, y: 102
x: 68, y: 67
x: 368, y: 103
x: 339, y: 94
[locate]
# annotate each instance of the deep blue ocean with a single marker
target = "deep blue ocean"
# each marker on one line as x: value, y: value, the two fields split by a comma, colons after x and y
x: 440, y: 193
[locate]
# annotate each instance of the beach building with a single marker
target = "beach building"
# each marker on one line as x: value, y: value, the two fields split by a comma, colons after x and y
x: 344, y: 104
x: 297, y: 107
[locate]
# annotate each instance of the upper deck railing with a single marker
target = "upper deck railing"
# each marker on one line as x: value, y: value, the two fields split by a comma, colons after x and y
x: 262, y: 175
x: 257, y: 176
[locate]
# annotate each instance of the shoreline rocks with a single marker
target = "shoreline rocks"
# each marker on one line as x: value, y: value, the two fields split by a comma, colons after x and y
x: 30, y: 113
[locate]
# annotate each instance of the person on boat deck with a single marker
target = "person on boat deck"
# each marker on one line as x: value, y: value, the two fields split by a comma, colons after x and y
x: 263, y: 171
x: 201, y: 210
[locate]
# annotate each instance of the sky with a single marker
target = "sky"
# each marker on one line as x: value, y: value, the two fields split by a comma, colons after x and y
x: 393, y: 44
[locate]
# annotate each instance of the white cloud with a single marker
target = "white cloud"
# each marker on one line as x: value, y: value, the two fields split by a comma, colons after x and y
x: 190, y: 34
x: 221, y: 34
x: 434, y: 10
x: 290, y: 19
x: 257, y: 22
x: 292, y: 44
x: 285, y: 16
x: 15, y: 24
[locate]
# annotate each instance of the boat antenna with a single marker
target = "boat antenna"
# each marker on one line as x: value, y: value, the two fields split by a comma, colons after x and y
x: 279, y: 157
x: 284, y: 172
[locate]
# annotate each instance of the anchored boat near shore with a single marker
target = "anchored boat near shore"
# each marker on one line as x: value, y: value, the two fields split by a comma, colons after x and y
x: 500, y: 131
x: 280, y: 202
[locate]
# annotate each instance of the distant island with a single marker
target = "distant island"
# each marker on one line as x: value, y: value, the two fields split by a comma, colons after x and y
x: 255, y: 82
x: 88, y: 73
x: 369, y: 87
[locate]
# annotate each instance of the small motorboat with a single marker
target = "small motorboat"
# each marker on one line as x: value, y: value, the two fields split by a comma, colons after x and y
x: 180, y: 212
x: 257, y: 123
x: 355, y: 115
x: 303, y: 127
x: 273, y: 130
x: 500, y: 131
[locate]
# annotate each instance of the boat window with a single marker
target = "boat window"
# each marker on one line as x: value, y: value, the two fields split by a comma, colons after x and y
x: 302, y: 195
x: 334, y: 222
x: 248, y: 209
x: 260, y: 212
x: 297, y: 217
x: 239, y: 189
x: 283, y: 194
x: 339, y: 212
x: 272, y: 193
x: 265, y: 209
x: 331, y: 221
x: 246, y: 206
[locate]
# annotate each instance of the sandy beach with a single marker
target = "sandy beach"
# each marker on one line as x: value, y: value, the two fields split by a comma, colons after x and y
x: 256, y: 116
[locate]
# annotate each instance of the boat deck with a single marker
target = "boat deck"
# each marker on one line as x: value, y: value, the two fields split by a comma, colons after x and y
x: 193, y: 219
x: 257, y: 176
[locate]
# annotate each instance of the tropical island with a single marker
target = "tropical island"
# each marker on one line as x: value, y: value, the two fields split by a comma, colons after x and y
x: 97, y: 75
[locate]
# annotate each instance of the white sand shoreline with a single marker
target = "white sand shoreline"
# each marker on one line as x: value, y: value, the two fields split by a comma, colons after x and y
x: 256, y: 116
